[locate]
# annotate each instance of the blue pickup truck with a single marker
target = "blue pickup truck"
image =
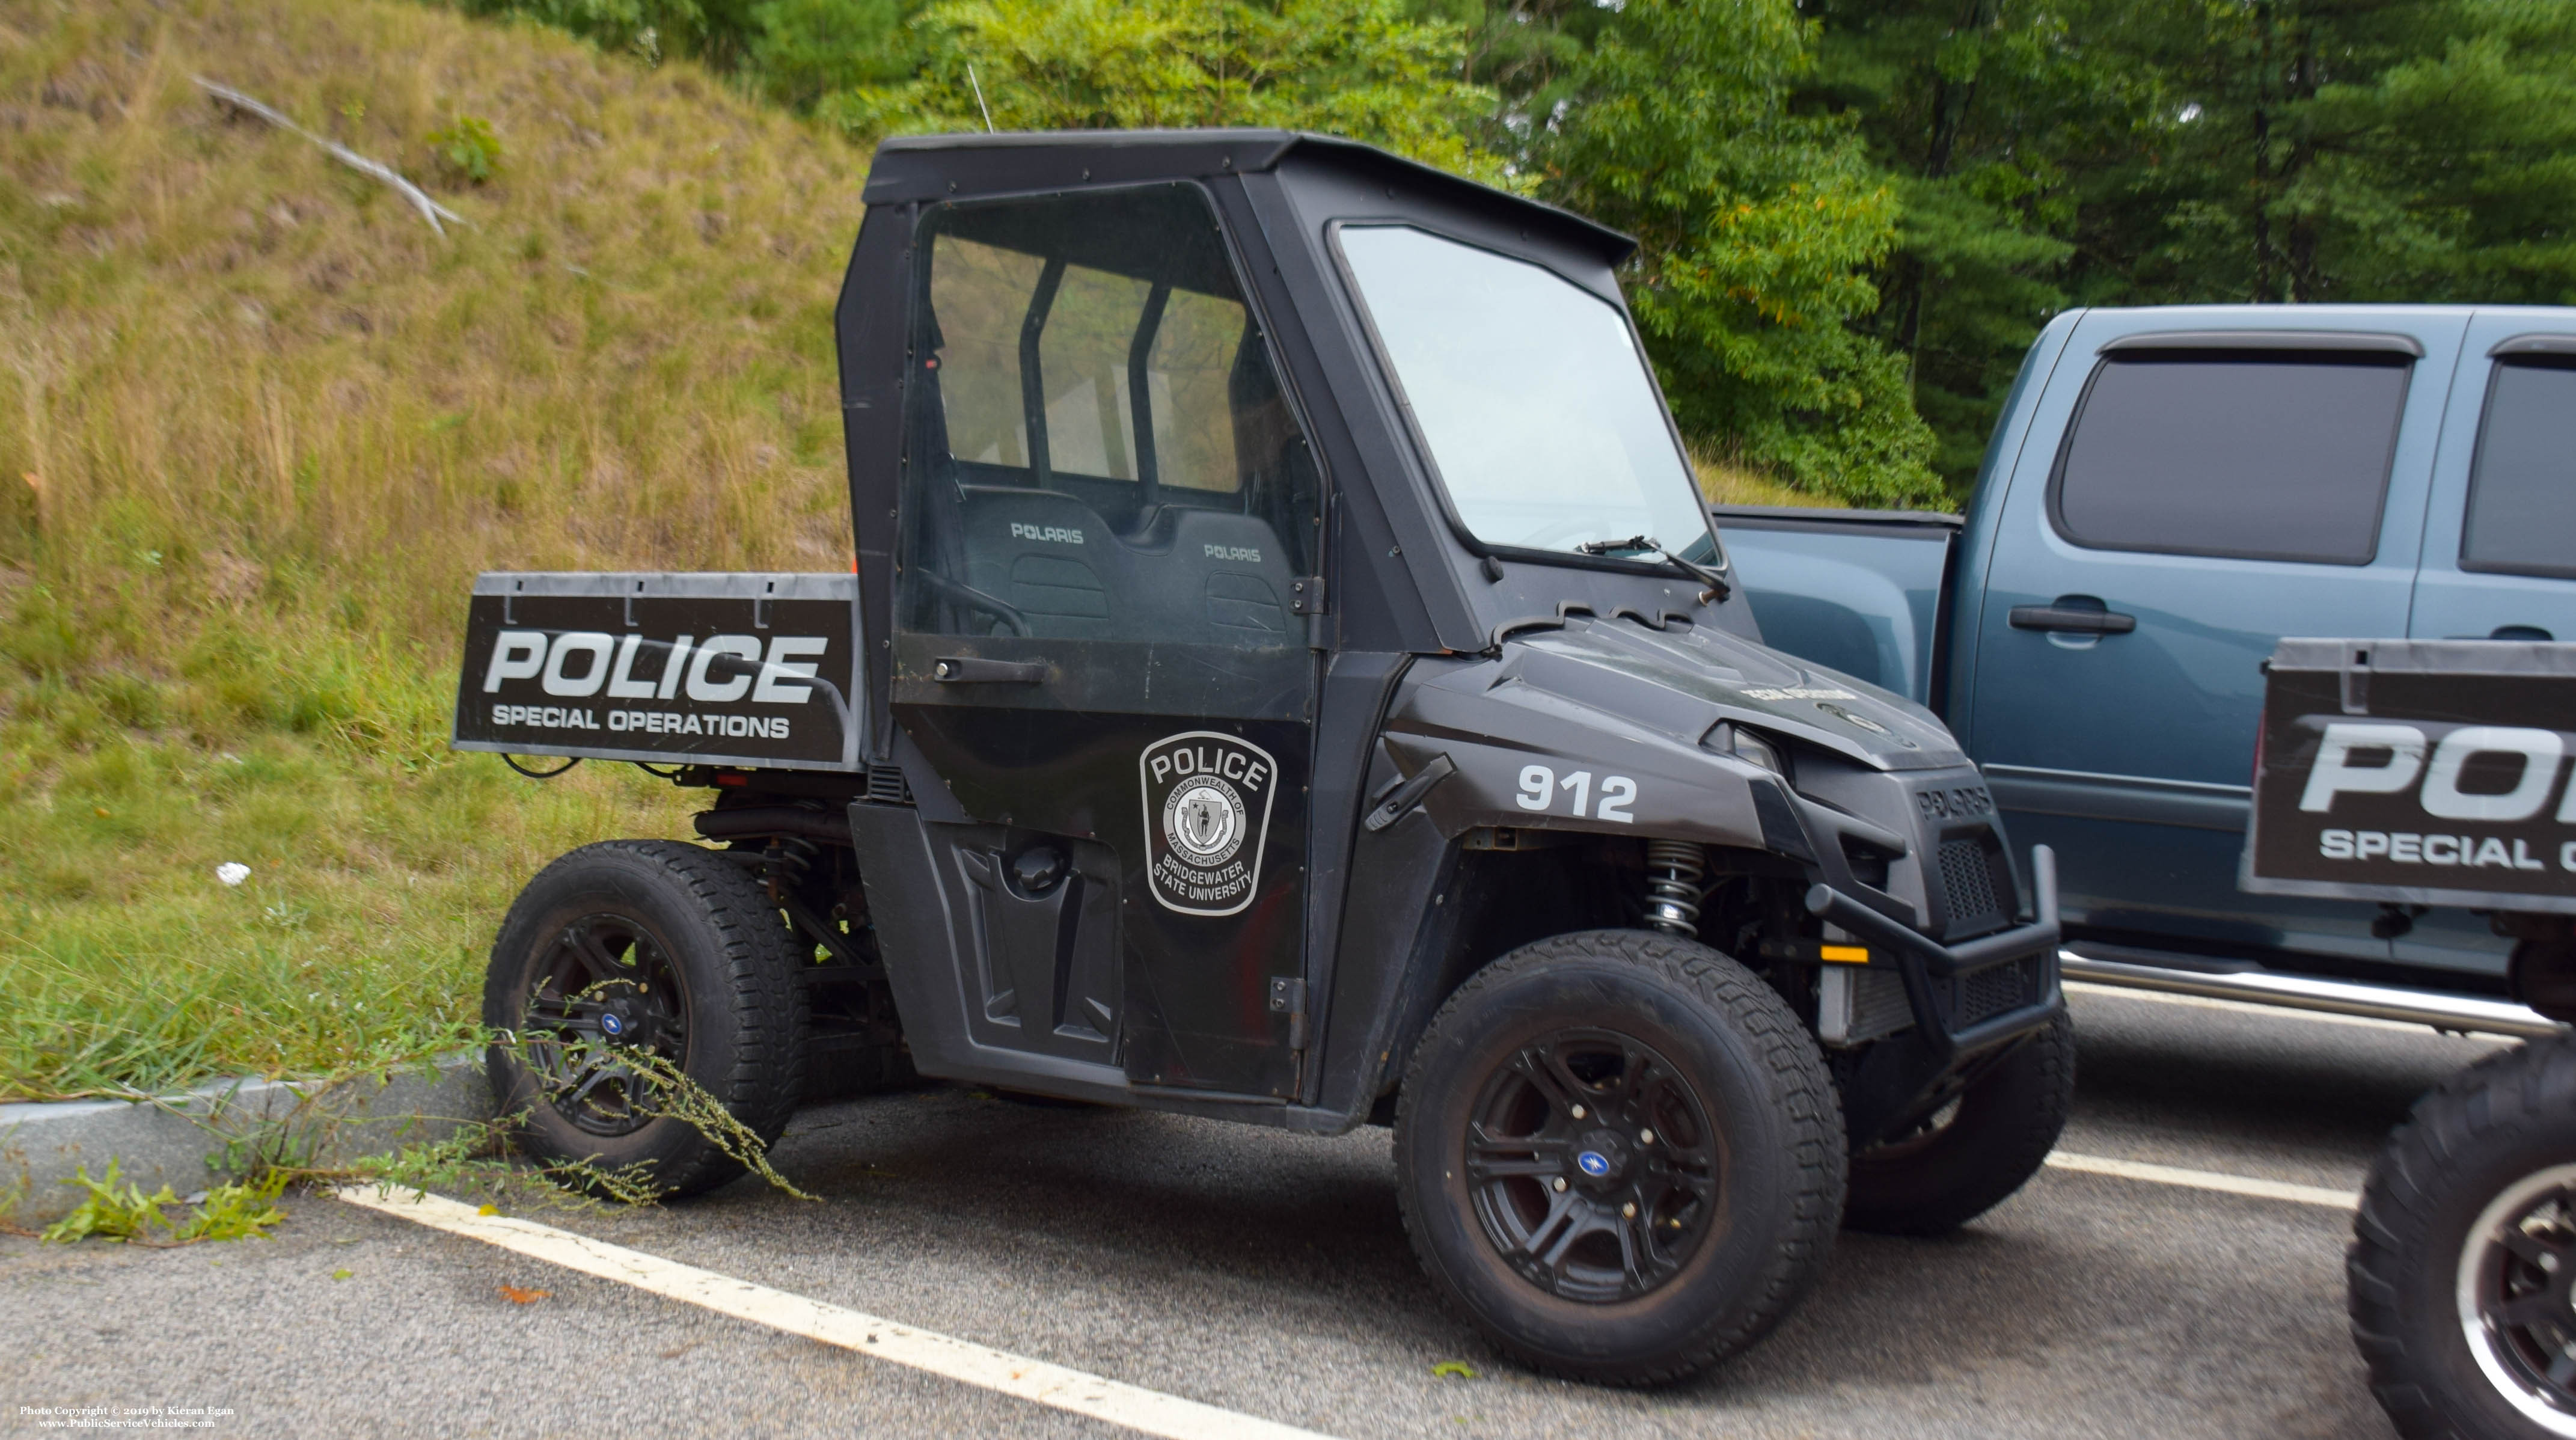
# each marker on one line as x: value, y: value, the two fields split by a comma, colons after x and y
x: 2169, y: 492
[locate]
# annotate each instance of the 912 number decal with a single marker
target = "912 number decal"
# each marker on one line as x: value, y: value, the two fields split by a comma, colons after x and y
x: 1540, y: 787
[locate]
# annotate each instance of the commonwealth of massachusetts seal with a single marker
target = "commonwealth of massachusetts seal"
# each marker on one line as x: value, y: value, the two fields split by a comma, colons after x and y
x: 1207, y: 814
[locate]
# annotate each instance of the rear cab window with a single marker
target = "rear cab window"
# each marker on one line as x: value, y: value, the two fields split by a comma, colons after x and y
x: 2500, y: 526
x: 2522, y: 480
x: 2256, y: 454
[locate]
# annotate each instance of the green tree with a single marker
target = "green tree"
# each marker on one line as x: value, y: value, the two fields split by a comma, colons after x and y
x: 2325, y: 150
x: 802, y: 51
x: 1369, y: 69
x: 1758, y: 225
x: 1995, y: 120
x: 794, y: 52
x: 2189, y: 151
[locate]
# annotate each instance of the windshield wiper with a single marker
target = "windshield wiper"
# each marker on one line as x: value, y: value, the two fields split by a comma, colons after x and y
x: 1718, y: 588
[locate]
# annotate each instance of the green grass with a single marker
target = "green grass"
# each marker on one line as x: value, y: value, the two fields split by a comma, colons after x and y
x: 379, y: 866
x: 259, y: 428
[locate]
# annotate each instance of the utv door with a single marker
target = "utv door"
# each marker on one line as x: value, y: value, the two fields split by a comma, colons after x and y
x: 1107, y: 511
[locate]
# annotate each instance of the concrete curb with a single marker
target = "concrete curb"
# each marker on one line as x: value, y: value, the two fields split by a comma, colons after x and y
x: 181, y: 1140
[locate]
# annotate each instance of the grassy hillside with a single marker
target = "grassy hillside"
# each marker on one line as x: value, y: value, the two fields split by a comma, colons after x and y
x: 258, y: 428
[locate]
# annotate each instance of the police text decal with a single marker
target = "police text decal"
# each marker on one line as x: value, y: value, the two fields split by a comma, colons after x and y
x: 1207, y: 815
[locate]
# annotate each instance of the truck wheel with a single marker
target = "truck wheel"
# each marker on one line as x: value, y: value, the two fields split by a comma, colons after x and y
x: 1976, y: 1151
x: 643, y: 947
x: 2464, y: 1254
x: 1620, y: 1154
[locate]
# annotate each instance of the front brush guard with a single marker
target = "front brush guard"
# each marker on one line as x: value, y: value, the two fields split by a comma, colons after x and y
x: 1896, y: 1073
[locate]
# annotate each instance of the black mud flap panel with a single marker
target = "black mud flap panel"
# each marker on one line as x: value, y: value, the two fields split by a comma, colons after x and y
x: 2423, y: 772
x: 753, y: 670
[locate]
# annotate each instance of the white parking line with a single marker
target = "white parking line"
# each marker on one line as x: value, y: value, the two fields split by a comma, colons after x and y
x: 1149, y: 1411
x: 2206, y: 1180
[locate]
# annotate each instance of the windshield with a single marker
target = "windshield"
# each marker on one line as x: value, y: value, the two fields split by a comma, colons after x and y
x: 1532, y: 396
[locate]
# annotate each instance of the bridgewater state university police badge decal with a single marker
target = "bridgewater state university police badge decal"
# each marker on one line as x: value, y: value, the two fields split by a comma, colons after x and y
x: 1207, y: 818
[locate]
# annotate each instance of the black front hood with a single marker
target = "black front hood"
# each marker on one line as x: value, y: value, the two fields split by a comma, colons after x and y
x: 1683, y: 679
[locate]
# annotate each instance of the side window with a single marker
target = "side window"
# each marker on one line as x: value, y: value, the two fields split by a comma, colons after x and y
x: 2522, y: 486
x: 2259, y: 456
x: 1098, y: 446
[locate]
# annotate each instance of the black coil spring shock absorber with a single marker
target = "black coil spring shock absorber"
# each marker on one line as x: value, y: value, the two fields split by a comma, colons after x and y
x: 1674, y: 869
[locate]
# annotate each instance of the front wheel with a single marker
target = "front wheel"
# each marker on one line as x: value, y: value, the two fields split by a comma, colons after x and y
x: 1973, y: 1153
x: 2463, y: 1262
x: 1620, y: 1155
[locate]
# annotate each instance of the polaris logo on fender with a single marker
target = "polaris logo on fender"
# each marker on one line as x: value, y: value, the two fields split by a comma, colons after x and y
x: 1054, y: 534
x: 1207, y: 820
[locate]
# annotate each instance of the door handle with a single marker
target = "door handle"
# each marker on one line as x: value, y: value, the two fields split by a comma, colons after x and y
x: 2520, y: 632
x: 971, y: 670
x: 1409, y: 794
x: 2071, y: 619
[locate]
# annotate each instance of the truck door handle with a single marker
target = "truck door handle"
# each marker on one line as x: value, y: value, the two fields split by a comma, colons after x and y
x: 2072, y: 619
x: 970, y: 670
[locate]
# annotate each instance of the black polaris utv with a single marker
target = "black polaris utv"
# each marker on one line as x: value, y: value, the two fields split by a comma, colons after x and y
x: 1288, y: 677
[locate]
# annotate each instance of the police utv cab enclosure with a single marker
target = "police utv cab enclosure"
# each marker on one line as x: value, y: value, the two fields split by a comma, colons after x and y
x: 1288, y: 678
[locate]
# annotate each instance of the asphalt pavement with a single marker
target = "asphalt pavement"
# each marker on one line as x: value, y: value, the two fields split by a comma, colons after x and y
x: 1268, y: 1274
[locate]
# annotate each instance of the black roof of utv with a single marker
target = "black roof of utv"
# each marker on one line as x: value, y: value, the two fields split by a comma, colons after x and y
x: 939, y: 167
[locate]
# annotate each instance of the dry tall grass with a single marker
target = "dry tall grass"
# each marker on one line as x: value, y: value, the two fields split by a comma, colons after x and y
x: 258, y: 427
x: 226, y: 348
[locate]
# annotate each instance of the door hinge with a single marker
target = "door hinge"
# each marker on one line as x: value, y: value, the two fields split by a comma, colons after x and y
x: 1306, y: 595
x: 1288, y: 997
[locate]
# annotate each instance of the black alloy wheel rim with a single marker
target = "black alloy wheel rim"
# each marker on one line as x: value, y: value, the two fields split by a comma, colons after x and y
x: 2517, y: 1296
x: 606, y: 1007
x: 1593, y: 1166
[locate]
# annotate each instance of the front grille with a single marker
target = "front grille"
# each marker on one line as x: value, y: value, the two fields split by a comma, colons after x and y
x: 1991, y: 992
x: 1976, y: 888
x: 886, y: 786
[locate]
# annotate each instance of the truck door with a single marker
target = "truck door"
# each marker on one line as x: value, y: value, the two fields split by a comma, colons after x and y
x: 2500, y: 533
x: 2190, y: 495
x: 1098, y: 643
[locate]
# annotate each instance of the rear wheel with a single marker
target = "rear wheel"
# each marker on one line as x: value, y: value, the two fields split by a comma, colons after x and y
x: 623, y: 961
x: 1619, y: 1153
x: 2463, y: 1262
x: 1974, y: 1152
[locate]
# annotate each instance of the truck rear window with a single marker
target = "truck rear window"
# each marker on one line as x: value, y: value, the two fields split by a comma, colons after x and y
x: 2259, y: 456
x: 2522, y: 489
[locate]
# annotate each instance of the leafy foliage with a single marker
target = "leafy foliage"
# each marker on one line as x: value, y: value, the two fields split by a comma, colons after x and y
x: 122, y: 1213
x: 2172, y: 151
x: 2341, y: 150
x: 467, y: 148
x: 1985, y: 114
x: 802, y: 51
x: 1669, y: 119
x: 1367, y: 69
